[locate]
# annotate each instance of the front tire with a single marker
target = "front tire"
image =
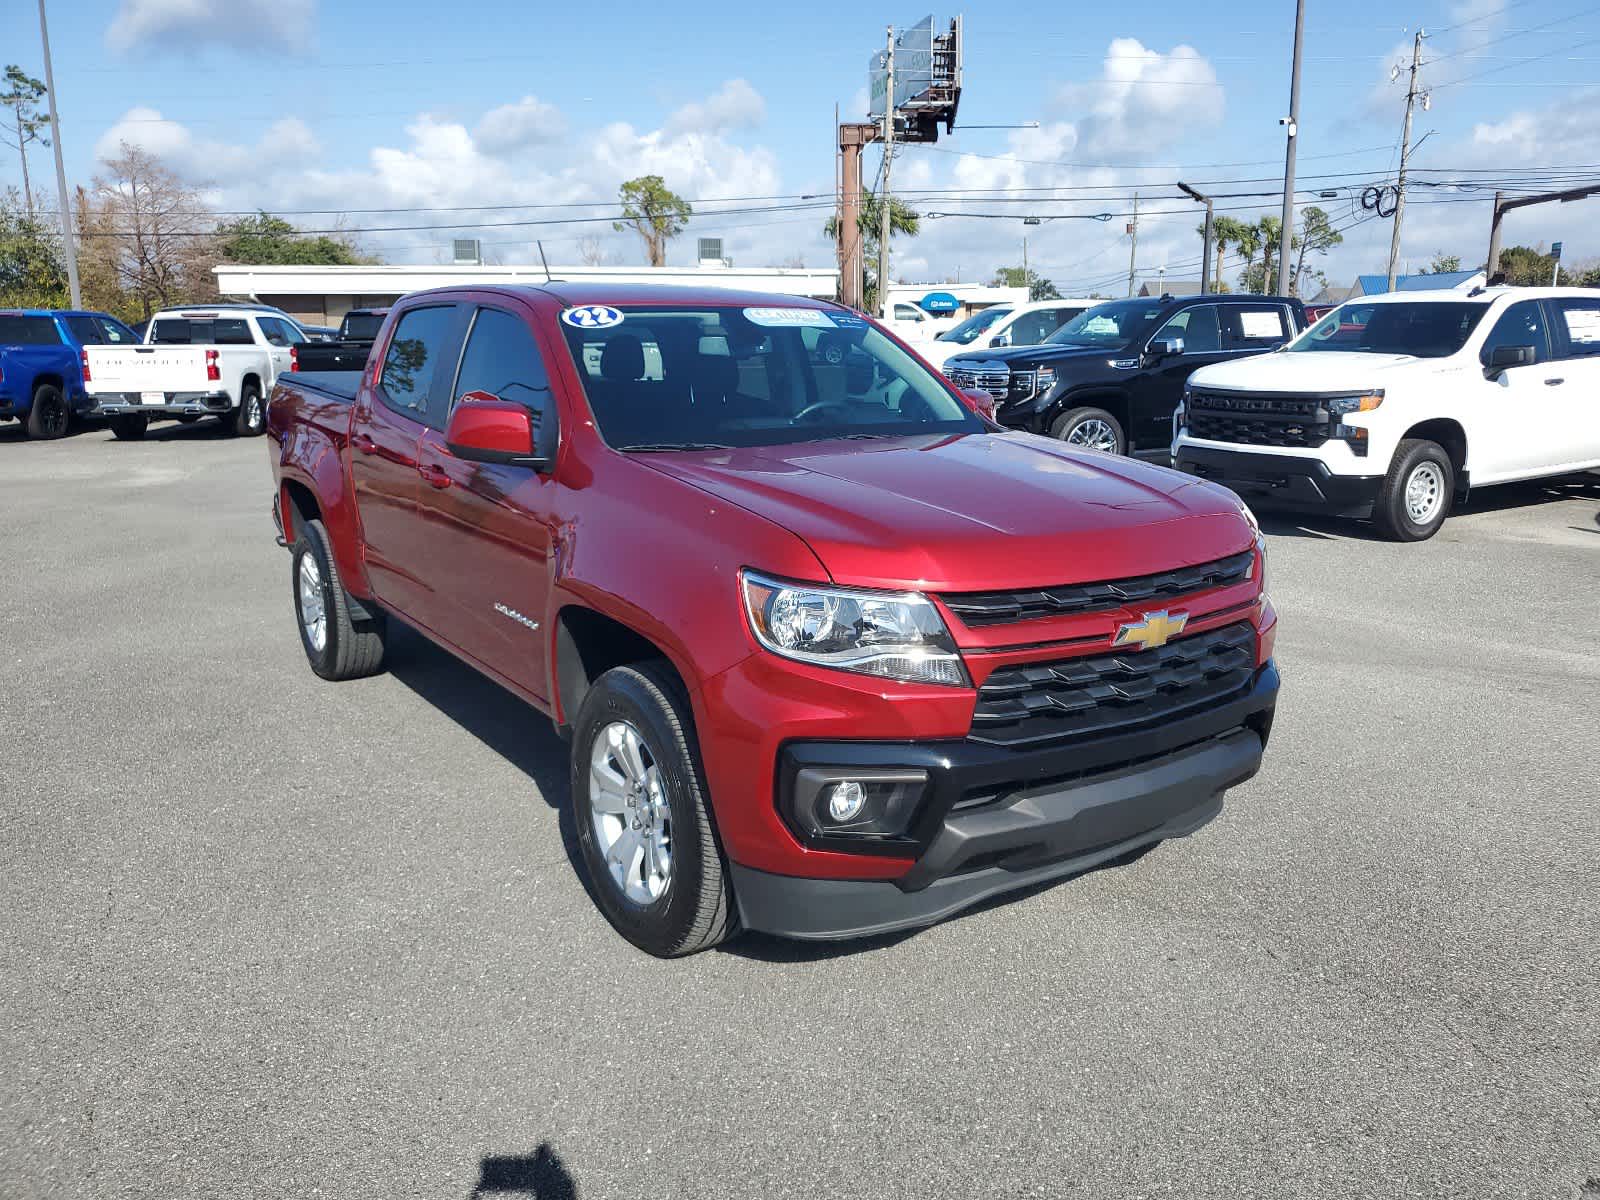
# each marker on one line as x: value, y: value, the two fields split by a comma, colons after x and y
x: 643, y: 821
x: 1090, y: 429
x: 337, y: 646
x: 129, y: 427
x: 1414, y: 498
x: 250, y: 418
x: 50, y: 417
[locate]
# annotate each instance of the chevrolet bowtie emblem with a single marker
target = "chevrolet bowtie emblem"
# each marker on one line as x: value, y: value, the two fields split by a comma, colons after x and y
x: 1157, y: 629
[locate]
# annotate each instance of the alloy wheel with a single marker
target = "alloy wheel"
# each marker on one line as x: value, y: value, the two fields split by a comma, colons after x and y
x: 313, y: 610
x: 1094, y: 434
x: 629, y: 813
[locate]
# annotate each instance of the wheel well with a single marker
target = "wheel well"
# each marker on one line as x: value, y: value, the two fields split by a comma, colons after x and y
x: 1113, y: 402
x: 250, y: 377
x: 40, y: 381
x: 1448, y: 434
x: 588, y: 644
x: 302, y: 507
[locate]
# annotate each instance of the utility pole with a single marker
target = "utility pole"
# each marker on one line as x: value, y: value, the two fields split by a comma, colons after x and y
x: 1405, y: 155
x: 67, y: 244
x: 1205, y: 257
x: 1027, y: 280
x: 1286, y: 238
x: 885, y: 205
x: 1133, y: 245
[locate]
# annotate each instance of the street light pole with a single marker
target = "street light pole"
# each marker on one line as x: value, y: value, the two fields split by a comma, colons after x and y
x: 885, y: 203
x: 67, y: 243
x: 1286, y: 236
x: 1205, y: 257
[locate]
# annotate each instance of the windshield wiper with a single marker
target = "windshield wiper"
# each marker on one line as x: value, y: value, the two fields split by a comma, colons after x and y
x: 654, y: 447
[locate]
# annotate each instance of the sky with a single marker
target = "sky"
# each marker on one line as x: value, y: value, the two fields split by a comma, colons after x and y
x: 516, y: 119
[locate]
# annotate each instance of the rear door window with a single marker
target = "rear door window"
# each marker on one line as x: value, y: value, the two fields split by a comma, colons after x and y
x: 1253, y: 327
x: 19, y: 330
x: 1577, y: 326
x: 411, y: 361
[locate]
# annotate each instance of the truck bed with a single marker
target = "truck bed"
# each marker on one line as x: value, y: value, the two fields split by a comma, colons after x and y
x: 319, y: 386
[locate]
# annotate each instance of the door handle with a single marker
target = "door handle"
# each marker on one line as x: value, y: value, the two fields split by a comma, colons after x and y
x: 434, y: 474
x: 364, y: 444
x: 1553, y: 382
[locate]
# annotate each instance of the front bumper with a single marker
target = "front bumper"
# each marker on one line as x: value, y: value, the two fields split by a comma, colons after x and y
x: 176, y: 404
x: 1282, y: 481
x: 998, y: 820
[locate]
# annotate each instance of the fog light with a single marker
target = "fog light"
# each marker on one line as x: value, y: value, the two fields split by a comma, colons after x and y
x: 845, y: 800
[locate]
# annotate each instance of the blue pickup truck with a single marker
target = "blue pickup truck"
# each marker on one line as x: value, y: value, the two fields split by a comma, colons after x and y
x: 41, y: 365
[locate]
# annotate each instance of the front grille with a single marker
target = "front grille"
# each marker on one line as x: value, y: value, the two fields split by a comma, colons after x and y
x: 1113, y: 693
x: 998, y: 608
x: 993, y: 378
x: 1258, y: 420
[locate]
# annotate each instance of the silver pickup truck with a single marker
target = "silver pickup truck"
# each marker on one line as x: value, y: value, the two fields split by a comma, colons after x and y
x: 220, y: 360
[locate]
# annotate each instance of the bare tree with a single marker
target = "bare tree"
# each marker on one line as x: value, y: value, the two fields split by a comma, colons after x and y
x: 590, y: 252
x: 153, y: 230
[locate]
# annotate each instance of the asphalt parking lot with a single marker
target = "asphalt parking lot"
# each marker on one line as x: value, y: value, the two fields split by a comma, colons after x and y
x: 268, y: 936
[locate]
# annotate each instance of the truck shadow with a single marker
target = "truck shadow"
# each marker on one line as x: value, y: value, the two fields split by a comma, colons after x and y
x: 541, y: 1175
x: 502, y: 722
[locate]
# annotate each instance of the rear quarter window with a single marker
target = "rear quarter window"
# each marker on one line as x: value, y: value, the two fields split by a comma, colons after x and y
x: 28, y: 331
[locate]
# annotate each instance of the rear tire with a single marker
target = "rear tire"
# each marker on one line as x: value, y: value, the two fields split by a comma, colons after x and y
x: 250, y: 418
x: 1090, y: 429
x: 337, y: 646
x: 1414, y: 498
x: 693, y: 908
x: 50, y: 417
x: 129, y: 427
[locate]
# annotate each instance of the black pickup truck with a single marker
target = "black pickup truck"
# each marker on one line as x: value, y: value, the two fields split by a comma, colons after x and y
x: 1111, y: 377
x: 347, y: 352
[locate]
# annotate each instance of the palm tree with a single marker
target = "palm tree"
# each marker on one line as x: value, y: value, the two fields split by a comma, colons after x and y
x: 1225, y: 232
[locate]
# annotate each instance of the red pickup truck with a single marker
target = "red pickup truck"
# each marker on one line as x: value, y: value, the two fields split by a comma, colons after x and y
x: 835, y: 653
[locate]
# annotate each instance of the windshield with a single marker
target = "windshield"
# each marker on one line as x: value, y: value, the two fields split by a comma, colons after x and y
x: 1113, y: 324
x: 1425, y: 329
x: 967, y: 332
x: 694, y: 378
x: 362, y: 327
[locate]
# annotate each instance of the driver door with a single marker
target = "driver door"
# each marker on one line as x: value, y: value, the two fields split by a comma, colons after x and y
x: 1159, y: 384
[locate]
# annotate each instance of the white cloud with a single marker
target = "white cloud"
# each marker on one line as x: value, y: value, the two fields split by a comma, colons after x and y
x: 441, y: 164
x: 286, y: 143
x: 1144, y: 102
x: 528, y: 122
x: 241, y: 24
x: 735, y: 105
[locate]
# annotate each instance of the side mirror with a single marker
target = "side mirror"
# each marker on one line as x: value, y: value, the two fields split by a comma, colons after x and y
x: 1166, y: 348
x: 981, y: 403
x: 485, y: 428
x: 1000, y: 339
x: 1502, y: 357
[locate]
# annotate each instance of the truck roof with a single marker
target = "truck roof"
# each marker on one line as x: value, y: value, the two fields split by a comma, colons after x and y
x: 650, y: 293
x: 52, y: 312
x: 1479, y: 295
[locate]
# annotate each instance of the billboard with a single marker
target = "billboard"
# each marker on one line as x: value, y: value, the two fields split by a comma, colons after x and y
x: 927, y: 74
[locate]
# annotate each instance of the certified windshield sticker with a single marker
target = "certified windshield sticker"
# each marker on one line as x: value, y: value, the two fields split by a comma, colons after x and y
x: 848, y: 320
x: 788, y: 318
x: 592, y: 316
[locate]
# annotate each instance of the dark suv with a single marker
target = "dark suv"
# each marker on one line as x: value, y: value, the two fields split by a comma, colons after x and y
x: 1111, y: 377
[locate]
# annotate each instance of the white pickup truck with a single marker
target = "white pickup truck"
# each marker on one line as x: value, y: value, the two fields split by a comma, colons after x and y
x: 1391, y: 406
x: 220, y: 360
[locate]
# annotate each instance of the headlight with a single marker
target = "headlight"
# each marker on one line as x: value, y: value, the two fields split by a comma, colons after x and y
x: 1044, y: 380
x: 1349, y: 404
x: 895, y: 635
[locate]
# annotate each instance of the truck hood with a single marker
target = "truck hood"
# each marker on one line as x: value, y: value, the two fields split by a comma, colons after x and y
x: 974, y: 512
x: 1316, y: 373
x: 1022, y: 357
